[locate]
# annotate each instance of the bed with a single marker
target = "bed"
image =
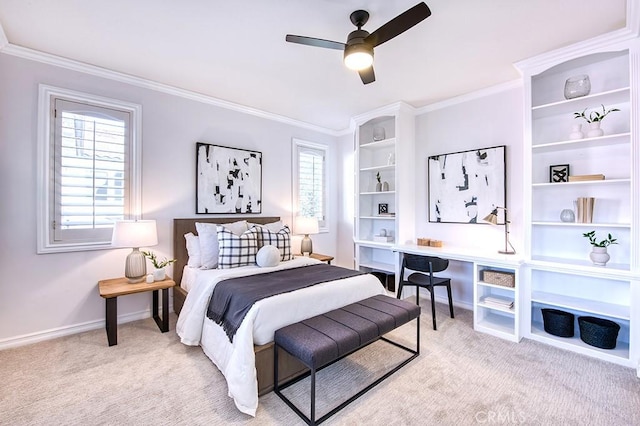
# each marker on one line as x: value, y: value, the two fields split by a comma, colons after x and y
x: 247, y: 363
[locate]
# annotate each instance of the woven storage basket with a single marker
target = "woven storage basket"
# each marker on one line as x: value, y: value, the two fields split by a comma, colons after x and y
x: 598, y: 332
x: 559, y: 323
x: 505, y: 279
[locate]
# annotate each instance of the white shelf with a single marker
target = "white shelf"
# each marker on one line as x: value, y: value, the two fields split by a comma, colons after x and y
x: 620, y: 138
x: 582, y: 267
x: 578, y: 104
x: 378, y: 266
x: 386, y: 143
x: 374, y: 244
x: 581, y: 183
x: 501, y: 287
x: 378, y: 168
x: 582, y: 225
x: 583, y: 305
x: 379, y: 217
x: 377, y: 192
x: 508, y: 311
x: 497, y: 325
x: 619, y: 355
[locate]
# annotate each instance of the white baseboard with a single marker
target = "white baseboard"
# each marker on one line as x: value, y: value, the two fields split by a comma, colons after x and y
x: 40, y: 336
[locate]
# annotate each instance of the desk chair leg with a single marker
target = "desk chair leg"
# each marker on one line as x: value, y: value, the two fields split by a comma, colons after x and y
x: 450, y: 300
x: 433, y: 306
x: 399, y: 293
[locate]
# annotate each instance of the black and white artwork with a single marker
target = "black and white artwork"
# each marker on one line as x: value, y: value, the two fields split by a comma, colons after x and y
x: 228, y: 180
x: 467, y: 185
x: 559, y: 173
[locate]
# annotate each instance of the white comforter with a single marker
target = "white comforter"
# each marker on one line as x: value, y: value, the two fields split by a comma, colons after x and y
x: 237, y: 360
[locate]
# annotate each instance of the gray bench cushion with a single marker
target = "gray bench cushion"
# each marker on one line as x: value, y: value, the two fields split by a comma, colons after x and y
x: 324, y: 338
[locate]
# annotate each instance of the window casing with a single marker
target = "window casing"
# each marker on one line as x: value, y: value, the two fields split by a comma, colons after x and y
x: 310, y: 181
x: 88, y: 166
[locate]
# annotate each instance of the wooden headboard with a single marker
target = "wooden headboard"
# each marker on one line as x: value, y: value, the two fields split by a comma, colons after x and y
x: 184, y: 226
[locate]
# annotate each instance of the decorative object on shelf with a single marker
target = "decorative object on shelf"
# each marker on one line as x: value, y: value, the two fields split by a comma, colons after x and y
x: 598, y: 332
x: 581, y: 178
x: 557, y: 322
x: 378, y: 133
x: 306, y: 226
x: 424, y: 241
x: 594, y: 118
x: 435, y: 243
x: 559, y: 173
x: 383, y: 208
x: 379, y: 184
x: 383, y: 232
x: 150, y: 278
x: 584, y: 208
x: 492, y: 218
x: 228, y: 180
x: 599, y: 255
x: 159, y: 273
x: 577, y: 86
x: 576, y: 132
x: 385, y: 186
x: 501, y: 278
x: 567, y: 215
x: 392, y: 159
x: 135, y: 234
x: 461, y: 184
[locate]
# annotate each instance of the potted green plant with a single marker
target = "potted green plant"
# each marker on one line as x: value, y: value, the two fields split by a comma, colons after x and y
x: 159, y: 273
x: 599, y: 255
x: 594, y: 119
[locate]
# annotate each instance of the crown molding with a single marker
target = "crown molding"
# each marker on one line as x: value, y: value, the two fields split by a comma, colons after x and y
x: 471, y: 96
x: 82, y: 67
x: 3, y: 38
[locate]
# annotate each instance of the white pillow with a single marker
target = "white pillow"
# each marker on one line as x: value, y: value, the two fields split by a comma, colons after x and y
x: 208, y: 233
x: 193, y: 250
x: 273, y: 226
x: 268, y: 256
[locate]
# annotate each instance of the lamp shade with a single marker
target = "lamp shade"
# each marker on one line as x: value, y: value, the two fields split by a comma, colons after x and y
x: 492, y: 217
x: 134, y: 233
x: 307, y: 225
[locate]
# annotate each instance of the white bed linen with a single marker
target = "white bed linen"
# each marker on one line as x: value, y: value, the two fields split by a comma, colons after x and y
x: 236, y: 360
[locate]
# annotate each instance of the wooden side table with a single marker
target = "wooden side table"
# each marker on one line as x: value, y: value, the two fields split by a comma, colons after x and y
x: 112, y: 288
x: 320, y: 257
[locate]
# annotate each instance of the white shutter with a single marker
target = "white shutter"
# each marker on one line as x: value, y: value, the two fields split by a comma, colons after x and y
x: 311, y: 179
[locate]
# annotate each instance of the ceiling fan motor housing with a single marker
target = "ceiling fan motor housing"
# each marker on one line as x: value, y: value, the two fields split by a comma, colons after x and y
x: 355, y: 43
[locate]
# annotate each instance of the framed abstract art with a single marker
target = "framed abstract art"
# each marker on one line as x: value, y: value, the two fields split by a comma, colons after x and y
x: 228, y: 180
x: 466, y: 185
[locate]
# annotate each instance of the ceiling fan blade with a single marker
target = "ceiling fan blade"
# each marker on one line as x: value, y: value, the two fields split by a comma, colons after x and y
x: 367, y: 75
x: 399, y: 24
x: 317, y: 42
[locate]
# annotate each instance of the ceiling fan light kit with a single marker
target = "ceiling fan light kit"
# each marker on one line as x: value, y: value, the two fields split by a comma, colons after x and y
x: 358, y: 50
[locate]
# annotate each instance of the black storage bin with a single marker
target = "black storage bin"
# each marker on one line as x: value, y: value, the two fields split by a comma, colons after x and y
x: 598, y: 332
x: 559, y: 323
x: 387, y: 280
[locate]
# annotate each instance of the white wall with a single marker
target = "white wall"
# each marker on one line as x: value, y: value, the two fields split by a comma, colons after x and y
x: 57, y: 293
x: 478, y: 120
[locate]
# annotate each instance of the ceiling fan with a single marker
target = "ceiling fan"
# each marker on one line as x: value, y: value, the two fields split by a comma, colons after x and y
x: 358, y: 50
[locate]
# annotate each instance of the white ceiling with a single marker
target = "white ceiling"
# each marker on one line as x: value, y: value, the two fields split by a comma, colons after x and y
x: 236, y: 50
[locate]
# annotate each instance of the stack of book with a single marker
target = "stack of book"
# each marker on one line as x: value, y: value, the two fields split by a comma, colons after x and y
x: 584, y: 209
x: 498, y: 302
x: 581, y: 178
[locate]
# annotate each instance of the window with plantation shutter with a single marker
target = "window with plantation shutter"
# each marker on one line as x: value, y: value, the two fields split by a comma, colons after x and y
x: 310, y: 169
x: 88, y: 153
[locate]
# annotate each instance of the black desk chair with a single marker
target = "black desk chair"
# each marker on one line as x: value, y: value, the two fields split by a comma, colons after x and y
x: 429, y: 265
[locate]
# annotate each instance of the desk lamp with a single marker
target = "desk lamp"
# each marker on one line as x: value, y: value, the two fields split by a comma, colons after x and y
x: 135, y: 234
x: 492, y: 218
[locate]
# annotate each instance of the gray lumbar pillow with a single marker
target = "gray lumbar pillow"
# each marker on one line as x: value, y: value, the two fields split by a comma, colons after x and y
x: 268, y: 256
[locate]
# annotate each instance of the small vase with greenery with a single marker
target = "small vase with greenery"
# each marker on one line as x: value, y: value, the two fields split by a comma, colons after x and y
x: 594, y: 119
x: 599, y: 255
x: 159, y: 274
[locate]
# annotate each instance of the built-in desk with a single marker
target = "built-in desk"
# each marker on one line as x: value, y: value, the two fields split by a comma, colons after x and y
x: 488, y: 315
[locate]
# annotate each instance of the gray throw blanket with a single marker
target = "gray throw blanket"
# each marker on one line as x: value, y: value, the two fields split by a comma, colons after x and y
x: 232, y: 298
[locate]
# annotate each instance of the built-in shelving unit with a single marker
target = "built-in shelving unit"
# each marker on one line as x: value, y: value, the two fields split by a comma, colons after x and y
x: 492, y: 318
x: 383, y: 139
x: 559, y: 274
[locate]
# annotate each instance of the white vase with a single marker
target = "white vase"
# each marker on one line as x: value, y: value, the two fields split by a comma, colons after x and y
x: 159, y: 274
x: 576, y: 132
x: 599, y: 256
x: 385, y: 186
x: 378, y: 187
x: 595, y: 130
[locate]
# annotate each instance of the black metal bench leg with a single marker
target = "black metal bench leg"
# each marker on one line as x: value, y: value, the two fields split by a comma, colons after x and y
x: 313, y: 397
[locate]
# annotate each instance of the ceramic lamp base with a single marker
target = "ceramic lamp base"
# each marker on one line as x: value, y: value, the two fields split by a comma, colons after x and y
x: 306, y: 246
x: 135, y: 268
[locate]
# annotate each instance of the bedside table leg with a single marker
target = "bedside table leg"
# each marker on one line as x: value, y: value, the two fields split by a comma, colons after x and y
x: 163, y: 323
x: 111, y: 322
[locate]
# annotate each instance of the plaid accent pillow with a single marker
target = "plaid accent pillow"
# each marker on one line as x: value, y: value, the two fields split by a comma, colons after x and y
x: 236, y: 250
x: 280, y: 239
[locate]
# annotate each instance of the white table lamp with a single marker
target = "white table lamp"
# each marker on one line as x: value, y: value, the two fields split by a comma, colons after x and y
x: 306, y: 226
x: 135, y: 234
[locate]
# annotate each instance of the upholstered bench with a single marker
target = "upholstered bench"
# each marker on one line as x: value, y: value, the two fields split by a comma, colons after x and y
x: 324, y: 339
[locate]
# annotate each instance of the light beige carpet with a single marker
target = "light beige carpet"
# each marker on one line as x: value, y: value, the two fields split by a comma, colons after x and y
x: 461, y: 377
